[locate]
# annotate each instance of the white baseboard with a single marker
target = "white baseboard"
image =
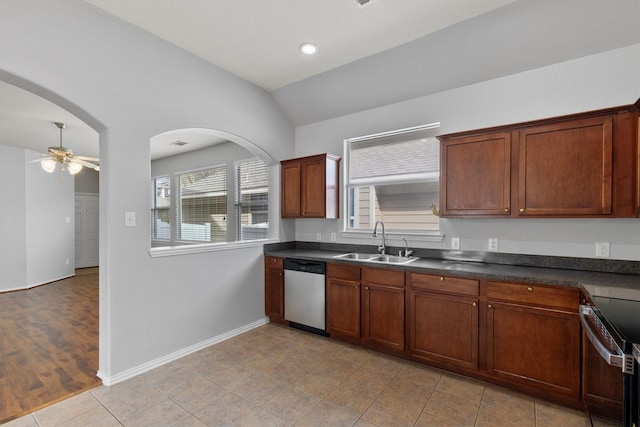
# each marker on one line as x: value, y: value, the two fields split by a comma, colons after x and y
x: 130, y: 373
x: 35, y: 285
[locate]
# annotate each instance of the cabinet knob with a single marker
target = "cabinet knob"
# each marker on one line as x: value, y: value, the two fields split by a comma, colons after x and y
x: 530, y: 289
x: 474, y: 304
x: 506, y: 210
x: 441, y: 278
x: 357, y: 287
x: 490, y: 306
x: 521, y: 210
x: 366, y: 288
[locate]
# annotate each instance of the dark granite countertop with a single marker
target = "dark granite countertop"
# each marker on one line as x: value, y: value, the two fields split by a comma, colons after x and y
x: 607, y: 282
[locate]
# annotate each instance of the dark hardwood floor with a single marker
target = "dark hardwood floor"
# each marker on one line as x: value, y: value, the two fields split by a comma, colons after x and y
x: 48, y: 343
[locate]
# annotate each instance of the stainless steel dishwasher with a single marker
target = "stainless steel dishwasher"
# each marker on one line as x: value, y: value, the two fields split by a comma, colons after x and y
x: 304, y: 294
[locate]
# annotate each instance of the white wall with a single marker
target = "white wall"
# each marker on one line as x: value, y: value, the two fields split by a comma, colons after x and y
x: 50, y: 214
x: 13, y: 264
x: 599, y: 81
x: 36, y: 239
x: 130, y: 86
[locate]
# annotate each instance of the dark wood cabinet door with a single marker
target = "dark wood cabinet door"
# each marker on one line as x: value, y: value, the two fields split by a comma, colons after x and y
x: 601, y: 383
x: 534, y: 346
x: 343, y: 307
x: 383, y: 316
x: 444, y: 328
x: 313, y: 187
x: 475, y: 176
x: 290, y: 189
x: 566, y: 168
x: 274, y: 289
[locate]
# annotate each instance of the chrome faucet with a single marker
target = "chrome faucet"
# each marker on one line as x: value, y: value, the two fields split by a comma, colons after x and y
x: 407, y: 252
x: 382, y: 246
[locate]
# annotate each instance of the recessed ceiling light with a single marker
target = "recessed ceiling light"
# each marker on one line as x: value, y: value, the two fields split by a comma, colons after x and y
x: 308, y: 48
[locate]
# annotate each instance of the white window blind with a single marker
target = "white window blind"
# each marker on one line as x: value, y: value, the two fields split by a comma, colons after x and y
x: 160, y: 205
x: 393, y: 177
x: 252, y: 199
x: 203, y: 205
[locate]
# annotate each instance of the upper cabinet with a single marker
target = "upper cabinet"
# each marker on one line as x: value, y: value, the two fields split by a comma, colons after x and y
x: 584, y: 165
x: 310, y: 187
x: 566, y: 168
x: 475, y: 176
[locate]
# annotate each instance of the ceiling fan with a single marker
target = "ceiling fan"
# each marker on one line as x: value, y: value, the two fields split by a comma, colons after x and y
x: 64, y: 156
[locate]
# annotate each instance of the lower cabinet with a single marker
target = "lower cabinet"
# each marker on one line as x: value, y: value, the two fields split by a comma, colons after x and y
x: 533, y: 337
x: 443, y: 320
x: 383, y: 308
x: 366, y: 304
x: 274, y: 289
x: 343, y: 300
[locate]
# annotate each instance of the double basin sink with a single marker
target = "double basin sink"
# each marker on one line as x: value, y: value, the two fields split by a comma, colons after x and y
x: 382, y: 259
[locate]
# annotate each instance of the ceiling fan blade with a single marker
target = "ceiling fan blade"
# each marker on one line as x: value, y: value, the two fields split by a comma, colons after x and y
x: 83, y: 163
x: 88, y: 159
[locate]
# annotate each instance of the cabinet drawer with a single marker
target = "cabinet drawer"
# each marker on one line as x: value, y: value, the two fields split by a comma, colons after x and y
x: 449, y: 285
x: 551, y: 296
x: 383, y: 277
x: 341, y: 271
x: 273, y: 262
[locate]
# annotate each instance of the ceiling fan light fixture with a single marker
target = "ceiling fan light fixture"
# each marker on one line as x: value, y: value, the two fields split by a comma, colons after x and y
x: 48, y: 165
x: 74, y: 168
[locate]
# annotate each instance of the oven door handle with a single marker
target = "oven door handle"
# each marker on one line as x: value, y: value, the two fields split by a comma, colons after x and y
x: 612, y: 359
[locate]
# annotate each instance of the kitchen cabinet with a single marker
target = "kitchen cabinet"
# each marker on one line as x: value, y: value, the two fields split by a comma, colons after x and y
x: 583, y: 165
x: 476, y: 175
x: 309, y: 187
x: 533, y: 336
x: 566, y: 168
x: 343, y: 300
x: 443, y: 319
x: 274, y: 289
x: 383, y: 302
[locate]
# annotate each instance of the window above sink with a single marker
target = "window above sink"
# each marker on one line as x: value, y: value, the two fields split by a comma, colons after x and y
x: 394, y: 177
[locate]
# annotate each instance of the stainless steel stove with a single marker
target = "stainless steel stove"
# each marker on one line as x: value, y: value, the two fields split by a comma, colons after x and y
x: 613, y: 326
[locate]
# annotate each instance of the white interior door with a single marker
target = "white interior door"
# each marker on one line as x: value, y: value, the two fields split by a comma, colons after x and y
x: 86, y: 230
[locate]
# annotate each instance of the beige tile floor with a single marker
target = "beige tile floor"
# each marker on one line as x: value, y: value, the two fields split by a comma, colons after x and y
x: 277, y: 376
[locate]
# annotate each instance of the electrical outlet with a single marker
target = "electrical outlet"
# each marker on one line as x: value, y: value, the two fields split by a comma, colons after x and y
x: 333, y: 236
x: 602, y: 249
x: 318, y: 236
x: 455, y: 243
x: 493, y: 244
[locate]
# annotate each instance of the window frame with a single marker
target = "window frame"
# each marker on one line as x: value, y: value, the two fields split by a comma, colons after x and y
x: 417, y: 235
x: 175, y: 246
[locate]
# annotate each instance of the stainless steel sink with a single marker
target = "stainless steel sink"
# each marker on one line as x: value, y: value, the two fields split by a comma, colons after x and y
x: 356, y: 256
x: 391, y: 259
x: 382, y: 259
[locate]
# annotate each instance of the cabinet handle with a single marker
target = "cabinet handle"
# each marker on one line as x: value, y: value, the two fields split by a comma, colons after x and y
x: 521, y: 210
x: 441, y: 278
x: 474, y: 304
x: 490, y: 306
x: 506, y: 210
x: 530, y: 289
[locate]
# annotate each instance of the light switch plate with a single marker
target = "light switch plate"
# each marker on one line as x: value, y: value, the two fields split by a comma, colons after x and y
x: 493, y: 244
x: 129, y: 219
x: 318, y: 236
